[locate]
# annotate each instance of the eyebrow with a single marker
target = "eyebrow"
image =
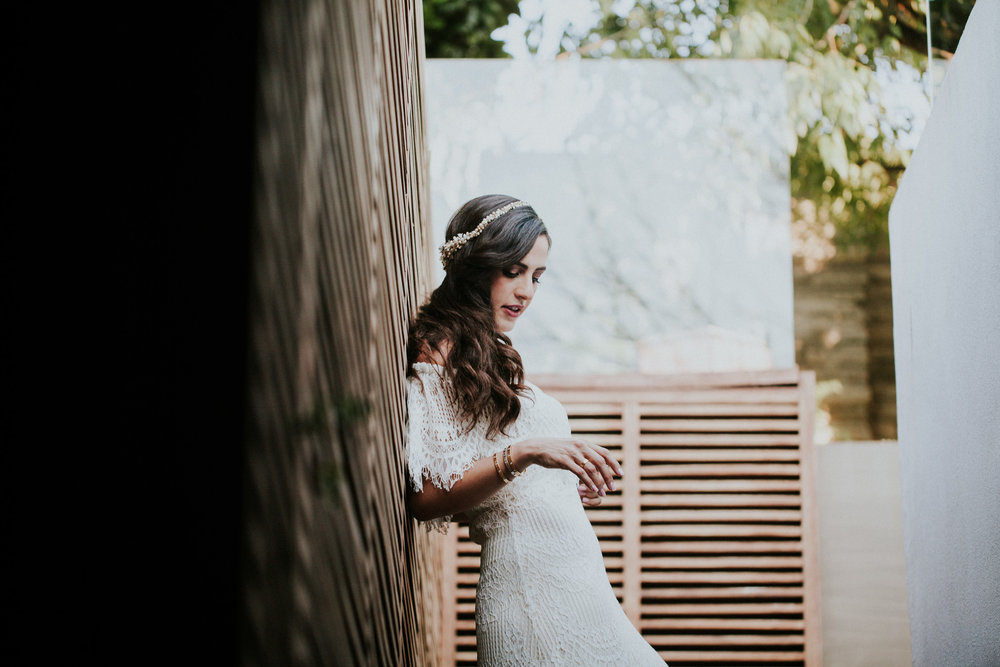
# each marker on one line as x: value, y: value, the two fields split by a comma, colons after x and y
x: 525, y: 266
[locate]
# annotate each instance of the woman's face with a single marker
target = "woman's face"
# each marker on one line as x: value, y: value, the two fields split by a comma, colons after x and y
x: 514, y: 286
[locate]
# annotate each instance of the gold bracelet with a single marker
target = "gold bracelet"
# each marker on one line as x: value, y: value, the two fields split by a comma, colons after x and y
x: 510, y: 462
x: 496, y: 464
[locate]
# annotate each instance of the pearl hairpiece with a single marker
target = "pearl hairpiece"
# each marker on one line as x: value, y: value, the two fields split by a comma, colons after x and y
x: 458, y: 240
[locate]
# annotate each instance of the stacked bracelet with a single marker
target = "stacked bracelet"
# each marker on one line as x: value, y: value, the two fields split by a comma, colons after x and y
x: 510, y: 463
x: 496, y: 464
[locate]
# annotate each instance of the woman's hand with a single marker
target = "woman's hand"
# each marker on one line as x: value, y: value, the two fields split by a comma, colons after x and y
x: 592, y: 464
x: 588, y: 496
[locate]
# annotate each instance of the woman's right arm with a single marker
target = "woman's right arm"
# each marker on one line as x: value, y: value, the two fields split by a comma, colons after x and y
x: 592, y: 464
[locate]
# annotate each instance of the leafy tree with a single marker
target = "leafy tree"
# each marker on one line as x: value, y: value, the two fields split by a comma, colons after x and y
x: 849, y: 158
x: 461, y: 29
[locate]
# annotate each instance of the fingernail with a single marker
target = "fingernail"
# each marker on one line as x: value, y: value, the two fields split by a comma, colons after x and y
x: 601, y: 492
x: 619, y: 470
x: 611, y: 485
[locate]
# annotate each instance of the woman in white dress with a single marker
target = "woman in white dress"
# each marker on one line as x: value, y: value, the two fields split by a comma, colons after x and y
x: 485, y: 444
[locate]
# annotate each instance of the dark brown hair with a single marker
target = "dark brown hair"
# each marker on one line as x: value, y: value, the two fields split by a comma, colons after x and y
x: 457, y: 322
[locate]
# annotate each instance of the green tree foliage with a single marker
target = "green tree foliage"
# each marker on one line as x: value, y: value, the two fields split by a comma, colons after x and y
x: 847, y: 163
x: 848, y: 159
x: 461, y: 29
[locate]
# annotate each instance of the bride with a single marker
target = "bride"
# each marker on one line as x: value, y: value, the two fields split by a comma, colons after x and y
x: 488, y: 445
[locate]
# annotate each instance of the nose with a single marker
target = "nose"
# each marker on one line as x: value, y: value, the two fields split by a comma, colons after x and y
x: 524, y: 288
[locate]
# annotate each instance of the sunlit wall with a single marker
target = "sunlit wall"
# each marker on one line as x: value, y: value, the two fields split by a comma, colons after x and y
x: 945, y: 239
x: 665, y: 188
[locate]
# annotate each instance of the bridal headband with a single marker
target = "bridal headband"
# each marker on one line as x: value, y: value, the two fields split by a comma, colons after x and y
x: 456, y: 242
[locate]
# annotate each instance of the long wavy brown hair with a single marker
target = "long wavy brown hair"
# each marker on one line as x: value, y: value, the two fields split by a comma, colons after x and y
x: 458, y: 324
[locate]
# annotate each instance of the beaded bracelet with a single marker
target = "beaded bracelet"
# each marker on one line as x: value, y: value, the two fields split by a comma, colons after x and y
x: 510, y: 462
x: 496, y: 464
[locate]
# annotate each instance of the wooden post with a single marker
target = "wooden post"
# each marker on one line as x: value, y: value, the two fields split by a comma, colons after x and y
x: 631, y: 506
x: 810, y: 534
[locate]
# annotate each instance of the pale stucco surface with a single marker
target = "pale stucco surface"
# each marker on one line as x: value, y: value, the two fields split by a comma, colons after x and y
x: 945, y: 243
x: 862, y: 569
x: 665, y: 188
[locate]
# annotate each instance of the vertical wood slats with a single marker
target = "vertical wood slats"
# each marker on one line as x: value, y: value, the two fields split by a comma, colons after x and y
x: 335, y: 572
x: 711, y: 543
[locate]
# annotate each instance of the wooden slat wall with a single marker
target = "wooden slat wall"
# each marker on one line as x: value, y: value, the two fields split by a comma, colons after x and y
x: 711, y: 542
x: 335, y: 571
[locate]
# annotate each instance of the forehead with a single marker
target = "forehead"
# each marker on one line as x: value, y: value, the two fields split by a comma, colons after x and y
x: 538, y: 254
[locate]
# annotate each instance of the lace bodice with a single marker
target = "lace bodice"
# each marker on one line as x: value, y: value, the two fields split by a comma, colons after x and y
x: 543, y: 596
x: 440, y: 449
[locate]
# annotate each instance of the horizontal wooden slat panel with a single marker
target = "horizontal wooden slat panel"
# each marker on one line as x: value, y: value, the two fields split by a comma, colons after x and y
x: 788, y: 593
x: 712, y: 568
x: 786, y: 440
x: 731, y: 624
x: 651, y: 455
x: 698, y: 486
x: 721, y: 546
x: 715, y: 640
x: 722, y: 563
x: 596, y: 425
x: 720, y: 530
x: 692, y: 396
x: 734, y: 657
x: 789, y: 409
x: 715, y: 609
x: 719, y: 425
x: 603, y: 409
x: 720, y: 470
x: 712, y: 500
x: 715, y: 577
x: 604, y: 531
x: 618, y: 384
x: 720, y: 516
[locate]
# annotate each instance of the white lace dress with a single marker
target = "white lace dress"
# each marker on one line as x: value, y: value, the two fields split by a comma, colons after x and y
x: 543, y: 597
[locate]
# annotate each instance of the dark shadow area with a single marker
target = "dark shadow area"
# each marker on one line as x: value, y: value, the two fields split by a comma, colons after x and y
x: 172, y: 90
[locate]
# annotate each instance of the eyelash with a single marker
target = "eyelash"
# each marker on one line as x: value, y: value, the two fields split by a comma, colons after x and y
x: 514, y: 274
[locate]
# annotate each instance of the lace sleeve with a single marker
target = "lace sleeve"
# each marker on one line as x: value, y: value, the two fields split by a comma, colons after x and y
x: 437, y: 448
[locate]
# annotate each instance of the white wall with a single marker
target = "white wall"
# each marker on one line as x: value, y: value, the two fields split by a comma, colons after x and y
x: 862, y: 569
x: 945, y: 238
x: 664, y: 185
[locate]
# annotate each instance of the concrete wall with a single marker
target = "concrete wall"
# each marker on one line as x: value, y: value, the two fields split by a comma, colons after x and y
x: 664, y: 185
x: 945, y: 238
x: 862, y: 569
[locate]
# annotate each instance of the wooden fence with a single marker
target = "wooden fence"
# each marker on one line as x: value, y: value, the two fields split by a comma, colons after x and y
x: 335, y: 572
x: 711, y: 543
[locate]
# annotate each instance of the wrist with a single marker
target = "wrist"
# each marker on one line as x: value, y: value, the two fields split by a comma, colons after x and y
x: 520, y: 454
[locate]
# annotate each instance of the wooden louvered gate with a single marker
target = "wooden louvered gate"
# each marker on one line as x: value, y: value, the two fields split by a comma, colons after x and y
x: 711, y: 543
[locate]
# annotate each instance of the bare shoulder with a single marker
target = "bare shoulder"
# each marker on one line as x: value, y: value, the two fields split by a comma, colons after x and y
x: 430, y: 355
